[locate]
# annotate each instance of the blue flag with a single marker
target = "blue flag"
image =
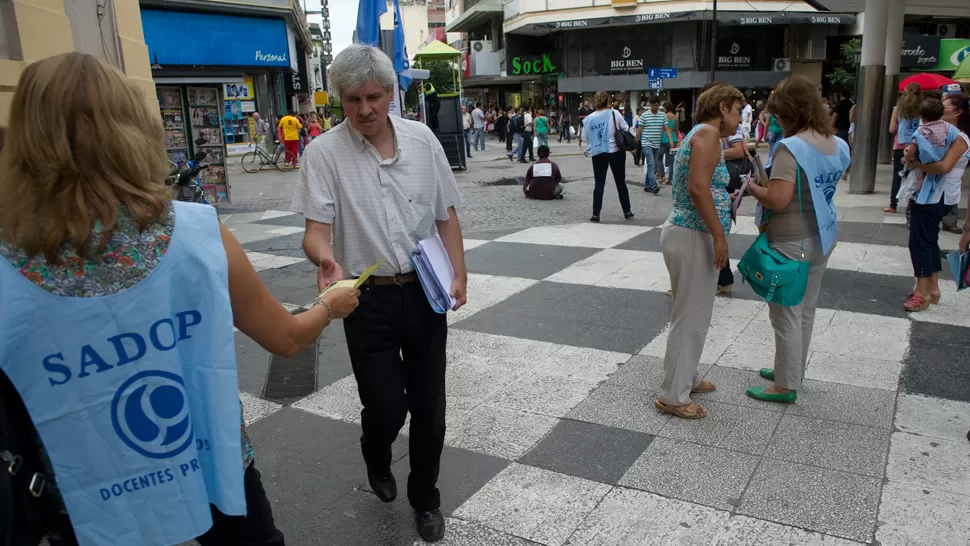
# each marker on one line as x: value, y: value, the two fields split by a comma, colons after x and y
x: 369, y: 21
x: 401, y: 62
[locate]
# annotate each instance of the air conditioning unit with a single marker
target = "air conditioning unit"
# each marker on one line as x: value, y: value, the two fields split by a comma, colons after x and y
x: 946, y: 31
x: 478, y: 46
x: 781, y: 65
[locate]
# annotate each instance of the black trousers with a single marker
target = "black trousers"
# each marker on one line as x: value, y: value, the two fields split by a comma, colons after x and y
x: 924, y: 238
x: 897, y: 180
x: 526, y: 146
x: 726, y: 276
x: 615, y: 162
x: 508, y: 142
x: 397, y: 350
x: 256, y: 528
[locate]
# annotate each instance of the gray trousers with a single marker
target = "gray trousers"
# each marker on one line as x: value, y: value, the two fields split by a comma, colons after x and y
x: 689, y: 255
x: 793, y: 325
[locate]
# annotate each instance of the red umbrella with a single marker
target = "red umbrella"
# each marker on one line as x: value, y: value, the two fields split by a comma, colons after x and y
x: 926, y: 81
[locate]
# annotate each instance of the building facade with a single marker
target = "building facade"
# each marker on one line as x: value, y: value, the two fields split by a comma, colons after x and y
x: 31, y: 30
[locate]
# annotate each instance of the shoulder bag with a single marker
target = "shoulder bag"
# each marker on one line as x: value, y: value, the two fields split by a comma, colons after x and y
x: 774, y: 277
x: 624, y: 140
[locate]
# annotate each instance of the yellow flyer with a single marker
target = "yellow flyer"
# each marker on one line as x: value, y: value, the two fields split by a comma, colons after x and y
x: 352, y: 283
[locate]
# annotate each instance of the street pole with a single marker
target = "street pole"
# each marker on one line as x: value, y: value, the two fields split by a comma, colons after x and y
x: 714, y: 43
x: 872, y: 75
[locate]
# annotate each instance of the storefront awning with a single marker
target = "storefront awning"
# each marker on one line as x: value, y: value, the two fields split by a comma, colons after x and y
x: 488, y: 81
x: 730, y: 18
x: 437, y: 51
x: 476, y: 16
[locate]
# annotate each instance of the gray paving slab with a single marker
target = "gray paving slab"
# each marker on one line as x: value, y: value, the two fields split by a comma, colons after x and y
x: 830, y: 444
x: 587, y: 316
x: 252, y: 363
x: 938, y: 351
x: 727, y: 426
x: 692, y: 472
x: 333, y: 357
x: 731, y: 388
x: 465, y: 533
x: 845, y: 403
x: 826, y: 501
x: 359, y: 518
x: 854, y: 291
x: 461, y: 474
x: 586, y: 450
x: 621, y: 408
x: 647, y: 242
x: 523, y: 260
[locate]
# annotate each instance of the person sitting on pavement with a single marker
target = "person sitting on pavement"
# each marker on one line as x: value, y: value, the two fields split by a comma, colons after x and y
x: 543, y: 179
x: 102, y: 275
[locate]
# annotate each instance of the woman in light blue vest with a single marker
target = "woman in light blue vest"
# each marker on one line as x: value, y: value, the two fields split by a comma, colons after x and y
x: 117, y: 309
x: 903, y: 125
x: 801, y: 225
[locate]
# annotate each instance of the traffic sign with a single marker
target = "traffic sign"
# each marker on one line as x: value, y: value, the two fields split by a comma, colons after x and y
x: 658, y: 73
x: 657, y: 84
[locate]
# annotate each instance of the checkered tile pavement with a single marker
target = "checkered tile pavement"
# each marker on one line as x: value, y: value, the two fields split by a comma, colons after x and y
x: 552, y: 437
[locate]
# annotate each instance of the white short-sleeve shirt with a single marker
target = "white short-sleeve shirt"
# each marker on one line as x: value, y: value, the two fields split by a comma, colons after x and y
x: 378, y: 208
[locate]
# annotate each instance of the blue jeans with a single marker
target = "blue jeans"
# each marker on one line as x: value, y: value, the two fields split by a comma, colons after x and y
x: 564, y: 130
x: 468, y: 142
x: 480, y: 138
x: 650, y: 159
x: 516, y: 145
x: 543, y: 139
x: 773, y: 140
x: 669, y: 157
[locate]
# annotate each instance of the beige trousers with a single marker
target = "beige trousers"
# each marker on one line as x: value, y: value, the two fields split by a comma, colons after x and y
x: 793, y: 325
x: 689, y: 255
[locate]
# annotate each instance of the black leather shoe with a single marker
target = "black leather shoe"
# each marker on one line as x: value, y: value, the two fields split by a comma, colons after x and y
x: 385, y: 487
x: 431, y: 524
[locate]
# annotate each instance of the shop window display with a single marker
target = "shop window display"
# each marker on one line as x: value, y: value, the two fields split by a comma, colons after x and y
x: 205, y: 116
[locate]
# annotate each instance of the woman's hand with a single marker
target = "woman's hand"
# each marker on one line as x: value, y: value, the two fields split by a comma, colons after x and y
x: 720, y: 252
x: 342, y: 301
x: 964, y: 241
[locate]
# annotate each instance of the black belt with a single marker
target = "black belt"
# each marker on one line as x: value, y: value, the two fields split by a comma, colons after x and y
x: 404, y: 278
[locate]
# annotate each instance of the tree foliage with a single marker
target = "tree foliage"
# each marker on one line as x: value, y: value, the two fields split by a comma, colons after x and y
x: 443, y: 77
x: 847, y: 74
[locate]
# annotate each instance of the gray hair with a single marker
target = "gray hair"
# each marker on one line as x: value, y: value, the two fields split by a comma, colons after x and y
x: 357, y: 65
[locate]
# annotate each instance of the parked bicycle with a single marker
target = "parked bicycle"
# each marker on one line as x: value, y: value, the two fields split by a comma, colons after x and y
x: 254, y: 161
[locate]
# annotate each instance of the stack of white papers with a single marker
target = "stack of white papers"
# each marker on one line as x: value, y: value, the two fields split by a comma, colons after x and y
x: 435, y: 273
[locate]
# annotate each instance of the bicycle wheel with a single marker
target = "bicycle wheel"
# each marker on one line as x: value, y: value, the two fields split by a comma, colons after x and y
x: 251, y: 162
x: 286, y: 161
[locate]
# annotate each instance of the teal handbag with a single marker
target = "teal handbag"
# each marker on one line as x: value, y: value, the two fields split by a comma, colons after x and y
x: 772, y: 276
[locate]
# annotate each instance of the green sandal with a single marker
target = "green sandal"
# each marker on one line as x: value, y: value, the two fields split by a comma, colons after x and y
x: 761, y: 393
x: 767, y: 373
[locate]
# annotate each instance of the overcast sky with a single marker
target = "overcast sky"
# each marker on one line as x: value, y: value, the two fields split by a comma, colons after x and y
x: 343, y: 21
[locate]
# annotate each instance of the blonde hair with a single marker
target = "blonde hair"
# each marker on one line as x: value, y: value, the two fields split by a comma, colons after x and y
x: 909, y: 102
x: 710, y: 101
x: 799, y: 107
x: 601, y: 100
x: 81, y: 142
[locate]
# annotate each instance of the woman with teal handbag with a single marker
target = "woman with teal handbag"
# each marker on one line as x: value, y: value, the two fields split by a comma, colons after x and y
x: 798, y: 230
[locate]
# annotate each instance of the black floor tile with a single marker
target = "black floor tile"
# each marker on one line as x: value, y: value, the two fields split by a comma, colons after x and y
x: 938, y: 363
x: 523, y: 260
x: 462, y: 474
x: 578, y: 449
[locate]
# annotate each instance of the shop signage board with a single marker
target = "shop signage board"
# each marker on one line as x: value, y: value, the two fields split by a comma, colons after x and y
x: 661, y: 17
x: 298, y: 83
x: 661, y: 73
x: 657, y: 84
x: 619, y: 59
x: 205, y: 39
x: 541, y: 64
x: 952, y: 53
x: 920, y: 52
x: 736, y: 54
x: 777, y: 18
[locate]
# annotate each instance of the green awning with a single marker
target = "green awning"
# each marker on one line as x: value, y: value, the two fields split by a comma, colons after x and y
x: 962, y: 74
x: 437, y: 51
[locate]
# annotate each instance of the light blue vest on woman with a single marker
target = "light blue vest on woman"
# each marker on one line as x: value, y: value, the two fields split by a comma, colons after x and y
x: 906, y: 129
x: 928, y: 153
x: 135, y: 394
x: 823, y: 173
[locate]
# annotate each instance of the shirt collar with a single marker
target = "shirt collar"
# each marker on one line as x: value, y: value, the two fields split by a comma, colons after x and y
x: 362, y: 144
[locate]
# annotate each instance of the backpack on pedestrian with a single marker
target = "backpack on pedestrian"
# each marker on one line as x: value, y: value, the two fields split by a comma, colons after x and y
x: 519, y: 122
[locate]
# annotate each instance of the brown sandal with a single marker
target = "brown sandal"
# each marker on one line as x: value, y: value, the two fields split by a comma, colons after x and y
x: 701, y: 389
x: 690, y: 411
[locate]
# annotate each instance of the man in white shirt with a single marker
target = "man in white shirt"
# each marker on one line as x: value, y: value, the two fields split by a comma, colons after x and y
x: 527, y: 137
x: 466, y: 127
x: 746, y: 117
x: 380, y: 184
x: 478, y: 124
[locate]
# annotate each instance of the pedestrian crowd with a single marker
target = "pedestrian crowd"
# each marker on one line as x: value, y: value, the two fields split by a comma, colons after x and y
x: 120, y: 420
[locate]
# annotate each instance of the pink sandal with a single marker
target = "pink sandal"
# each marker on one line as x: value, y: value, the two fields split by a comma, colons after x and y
x: 916, y: 303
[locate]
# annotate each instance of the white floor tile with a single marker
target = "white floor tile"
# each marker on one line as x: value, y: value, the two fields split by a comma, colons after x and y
x: 745, y: 531
x: 582, y: 363
x: 337, y: 401
x: 275, y: 214
x: 933, y: 417
x: 860, y: 371
x: 952, y: 308
x: 599, y: 266
x: 869, y: 336
x: 499, y: 432
x: 848, y: 256
x: 552, y: 395
x: 287, y: 230
x: 930, y: 463
x: 886, y: 260
x: 911, y: 515
x: 532, y: 503
x: 473, y: 243
x: 255, y: 408
x: 275, y: 262
x: 258, y: 256
x: 627, y: 516
x: 899, y: 219
x: 581, y: 235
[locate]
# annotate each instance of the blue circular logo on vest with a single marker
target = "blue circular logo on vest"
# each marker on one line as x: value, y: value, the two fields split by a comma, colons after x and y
x: 150, y: 413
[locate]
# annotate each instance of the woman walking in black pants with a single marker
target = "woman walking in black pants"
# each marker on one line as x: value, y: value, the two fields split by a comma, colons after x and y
x: 599, y: 130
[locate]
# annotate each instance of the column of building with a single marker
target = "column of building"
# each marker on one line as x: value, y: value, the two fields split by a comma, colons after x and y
x: 872, y: 75
x: 894, y: 46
